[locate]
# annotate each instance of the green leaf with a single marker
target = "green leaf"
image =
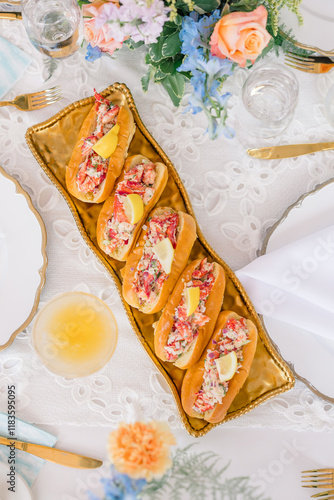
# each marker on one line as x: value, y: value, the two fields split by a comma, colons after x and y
x: 226, y: 9
x: 159, y: 76
x: 155, y: 49
x: 182, y: 5
x: 175, y: 100
x: 206, y: 5
x: 186, y: 74
x: 178, y: 20
x: 169, y: 28
x: 177, y: 84
x: 145, y: 80
x: 133, y: 45
x: 171, y: 45
x: 245, y: 5
x: 148, y: 60
x: 174, y: 84
x: 168, y: 66
x: 83, y: 2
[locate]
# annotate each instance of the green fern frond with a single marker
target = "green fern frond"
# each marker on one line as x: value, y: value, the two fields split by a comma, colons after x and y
x: 196, y: 476
x: 274, y: 6
x: 50, y: 67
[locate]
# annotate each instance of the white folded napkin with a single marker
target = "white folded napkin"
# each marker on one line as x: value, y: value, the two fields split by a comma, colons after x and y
x: 13, y: 63
x: 295, y: 283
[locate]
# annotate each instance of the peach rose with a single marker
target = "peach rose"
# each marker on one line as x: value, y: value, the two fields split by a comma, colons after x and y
x: 241, y: 35
x: 98, y: 37
x: 141, y: 450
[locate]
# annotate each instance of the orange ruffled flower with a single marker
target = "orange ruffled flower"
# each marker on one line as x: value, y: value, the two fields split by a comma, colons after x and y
x: 141, y: 450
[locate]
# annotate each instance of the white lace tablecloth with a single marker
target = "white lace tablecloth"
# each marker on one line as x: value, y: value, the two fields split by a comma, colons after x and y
x: 235, y: 198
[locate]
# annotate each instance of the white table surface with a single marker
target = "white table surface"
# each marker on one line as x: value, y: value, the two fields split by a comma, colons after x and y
x: 273, y: 459
x: 235, y: 199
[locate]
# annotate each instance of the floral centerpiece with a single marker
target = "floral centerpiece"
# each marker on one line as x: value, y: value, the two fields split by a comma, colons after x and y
x: 143, y: 467
x: 196, y: 42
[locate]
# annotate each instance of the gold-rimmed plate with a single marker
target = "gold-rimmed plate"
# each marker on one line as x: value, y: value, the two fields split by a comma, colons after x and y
x: 52, y: 142
x: 315, y: 32
x: 313, y: 212
x: 23, y: 259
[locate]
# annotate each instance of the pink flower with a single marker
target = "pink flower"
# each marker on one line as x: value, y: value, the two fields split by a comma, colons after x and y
x: 99, y: 37
x: 93, y: 9
x: 239, y: 36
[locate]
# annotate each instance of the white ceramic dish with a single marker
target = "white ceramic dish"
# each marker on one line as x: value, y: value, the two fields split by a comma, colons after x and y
x: 21, y: 489
x: 23, y: 259
x: 318, y: 24
x: 311, y: 357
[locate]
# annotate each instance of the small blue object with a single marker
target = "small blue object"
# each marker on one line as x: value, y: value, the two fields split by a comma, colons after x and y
x: 119, y: 487
x: 26, y: 465
x: 13, y: 63
x: 93, y: 53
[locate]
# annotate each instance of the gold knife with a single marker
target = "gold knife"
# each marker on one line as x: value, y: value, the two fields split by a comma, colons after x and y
x: 289, y: 151
x: 10, y: 15
x: 53, y: 454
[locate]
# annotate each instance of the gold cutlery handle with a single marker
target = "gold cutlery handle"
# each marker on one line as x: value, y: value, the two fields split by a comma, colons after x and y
x: 6, y: 103
x: 10, y: 15
x: 54, y: 455
x: 289, y: 151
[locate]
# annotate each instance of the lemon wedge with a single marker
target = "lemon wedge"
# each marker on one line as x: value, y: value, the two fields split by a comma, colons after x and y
x: 227, y: 366
x: 108, y: 143
x: 192, y: 299
x: 164, y: 252
x: 134, y: 208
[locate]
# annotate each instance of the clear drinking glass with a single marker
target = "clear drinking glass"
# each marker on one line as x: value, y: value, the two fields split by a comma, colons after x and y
x: 269, y: 97
x: 75, y: 334
x: 54, y: 27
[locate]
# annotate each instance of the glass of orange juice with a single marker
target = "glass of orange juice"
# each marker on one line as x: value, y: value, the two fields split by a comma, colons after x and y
x: 75, y: 334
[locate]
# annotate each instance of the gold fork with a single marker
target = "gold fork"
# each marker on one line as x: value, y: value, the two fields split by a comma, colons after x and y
x: 326, y: 495
x: 38, y: 100
x: 318, y: 478
x: 309, y: 64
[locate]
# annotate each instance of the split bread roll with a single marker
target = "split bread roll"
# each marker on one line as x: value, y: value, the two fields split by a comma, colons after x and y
x: 204, y: 392
x: 89, y: 176
x: 179, y: 336
x: 116, y: 233
x: 149, y: 276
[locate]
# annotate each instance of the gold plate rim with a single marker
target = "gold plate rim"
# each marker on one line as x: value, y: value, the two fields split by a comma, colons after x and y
x: 41, y: 270
x: 310, y: 48
x: 289, y: 378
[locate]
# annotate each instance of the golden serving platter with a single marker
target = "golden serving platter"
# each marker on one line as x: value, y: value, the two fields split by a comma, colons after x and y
x: 52, y: 142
